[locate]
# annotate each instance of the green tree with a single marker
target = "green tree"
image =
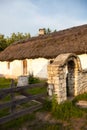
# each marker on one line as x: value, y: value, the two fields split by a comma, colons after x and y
x: 48, y: 31
x: 17, y: 37
x: 3, y: 43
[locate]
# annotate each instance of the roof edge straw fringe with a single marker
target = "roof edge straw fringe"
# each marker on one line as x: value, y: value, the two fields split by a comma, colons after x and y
x: 73, y: 40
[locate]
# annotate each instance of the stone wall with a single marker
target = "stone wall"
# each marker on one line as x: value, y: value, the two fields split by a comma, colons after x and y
x: 82, y: 82
x: 66, y: 77
x: 56, y: 78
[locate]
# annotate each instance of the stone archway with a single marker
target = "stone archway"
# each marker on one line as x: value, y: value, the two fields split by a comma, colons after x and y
x: 63, y: 76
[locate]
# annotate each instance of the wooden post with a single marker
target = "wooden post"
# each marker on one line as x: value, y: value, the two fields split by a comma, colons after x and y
x: 12, y: 96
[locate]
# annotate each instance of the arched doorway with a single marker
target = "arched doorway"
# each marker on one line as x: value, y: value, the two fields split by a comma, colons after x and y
x: 63, y: 74
x: 70, y: 79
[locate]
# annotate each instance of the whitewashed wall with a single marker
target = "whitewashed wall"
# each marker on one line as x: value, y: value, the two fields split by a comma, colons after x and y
x: 36, y: 66
x: 13, y: 71
x: 83, y: 59
x: 3, y: 68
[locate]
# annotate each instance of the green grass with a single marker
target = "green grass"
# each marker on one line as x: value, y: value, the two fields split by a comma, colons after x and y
x: 28, y: 104
x: 66, y: 110
x: 4, y: 83
x: 4, y: 112
x: 17, y: 123
x: 33, y: 80
x: 37, y: 90
x: 80, y: 97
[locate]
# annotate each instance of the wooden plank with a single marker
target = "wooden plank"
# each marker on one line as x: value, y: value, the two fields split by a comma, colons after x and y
x: 5, y: 91
x: 17, y: 102
x: 20, y: 113
x: 12, y: 97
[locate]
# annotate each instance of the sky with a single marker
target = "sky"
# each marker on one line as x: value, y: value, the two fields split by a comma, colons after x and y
x: 28, y: 16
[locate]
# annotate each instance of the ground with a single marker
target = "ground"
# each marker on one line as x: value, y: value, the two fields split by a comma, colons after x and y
x: 45, y: 121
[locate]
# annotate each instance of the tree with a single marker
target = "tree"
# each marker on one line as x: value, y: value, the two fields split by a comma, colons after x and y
x: 48, y: 31
x: 17, y: 37
x: 55, y: 30
x: 3, y: 43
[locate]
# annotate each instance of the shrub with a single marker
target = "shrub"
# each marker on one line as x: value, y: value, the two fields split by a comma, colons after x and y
x: 47, y: 105
x: 33, y: 79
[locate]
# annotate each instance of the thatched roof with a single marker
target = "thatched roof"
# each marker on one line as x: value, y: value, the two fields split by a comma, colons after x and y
x: 73, y: 40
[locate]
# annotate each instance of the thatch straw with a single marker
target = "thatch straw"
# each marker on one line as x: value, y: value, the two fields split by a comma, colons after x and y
x: 73, y: 40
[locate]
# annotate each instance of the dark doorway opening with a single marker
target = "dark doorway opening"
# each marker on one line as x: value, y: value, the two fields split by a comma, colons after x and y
x: 70, y: 79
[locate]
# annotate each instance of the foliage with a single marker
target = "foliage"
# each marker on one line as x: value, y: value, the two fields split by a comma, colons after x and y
x: 4, y: 42
x: 47, y: 106
x: 65, y: 110
x: 48, y: 31
x: 17, y: 37
x: 80, y: 97
x: 33, y: 80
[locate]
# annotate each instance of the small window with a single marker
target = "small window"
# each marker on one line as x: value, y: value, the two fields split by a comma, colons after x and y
x: 8, y: 65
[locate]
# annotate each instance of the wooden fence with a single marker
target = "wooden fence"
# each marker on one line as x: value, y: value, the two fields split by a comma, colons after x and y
x: 13, y: 103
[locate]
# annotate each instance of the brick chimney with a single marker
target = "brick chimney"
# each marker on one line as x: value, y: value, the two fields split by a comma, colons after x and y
x: 42, y: 31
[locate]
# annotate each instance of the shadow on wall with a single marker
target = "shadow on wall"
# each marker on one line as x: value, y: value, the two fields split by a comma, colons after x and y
x: 42, y: 72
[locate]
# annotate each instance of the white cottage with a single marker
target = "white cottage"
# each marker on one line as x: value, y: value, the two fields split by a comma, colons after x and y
x: 34, y: 54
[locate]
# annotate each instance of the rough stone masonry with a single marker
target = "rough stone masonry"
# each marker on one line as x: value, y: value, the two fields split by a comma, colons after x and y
x: 66, y: 78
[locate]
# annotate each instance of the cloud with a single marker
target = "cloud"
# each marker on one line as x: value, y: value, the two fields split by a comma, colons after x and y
x: 30, y: 15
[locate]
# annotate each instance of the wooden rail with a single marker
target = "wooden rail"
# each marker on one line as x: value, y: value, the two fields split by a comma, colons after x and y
x: 5, y: 91
x: 20, y: 113
x: 18, y: 102
x: 13, y: 103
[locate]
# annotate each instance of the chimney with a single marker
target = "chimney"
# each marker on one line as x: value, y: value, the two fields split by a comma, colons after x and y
x: 42, y: 31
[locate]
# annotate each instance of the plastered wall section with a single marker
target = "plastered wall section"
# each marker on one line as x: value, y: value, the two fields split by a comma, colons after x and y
x: 14, y: 69
x: 37, y: 67
x: 83, y: 59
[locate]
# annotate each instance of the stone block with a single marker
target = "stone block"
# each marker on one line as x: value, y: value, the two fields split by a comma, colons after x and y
x: 22, y: 81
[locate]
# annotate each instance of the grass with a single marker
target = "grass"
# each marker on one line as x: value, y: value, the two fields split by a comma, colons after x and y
x: 4, y: 112
x: 18, y: 123
x: 80, y: 97
x: 37, y: 90
x: 4, y: 83
x: 47, y: 126
x: 66, y: 110
x: 33, y: 80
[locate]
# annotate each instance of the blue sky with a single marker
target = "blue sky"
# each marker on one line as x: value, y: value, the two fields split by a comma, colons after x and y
x: 30, y: 15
